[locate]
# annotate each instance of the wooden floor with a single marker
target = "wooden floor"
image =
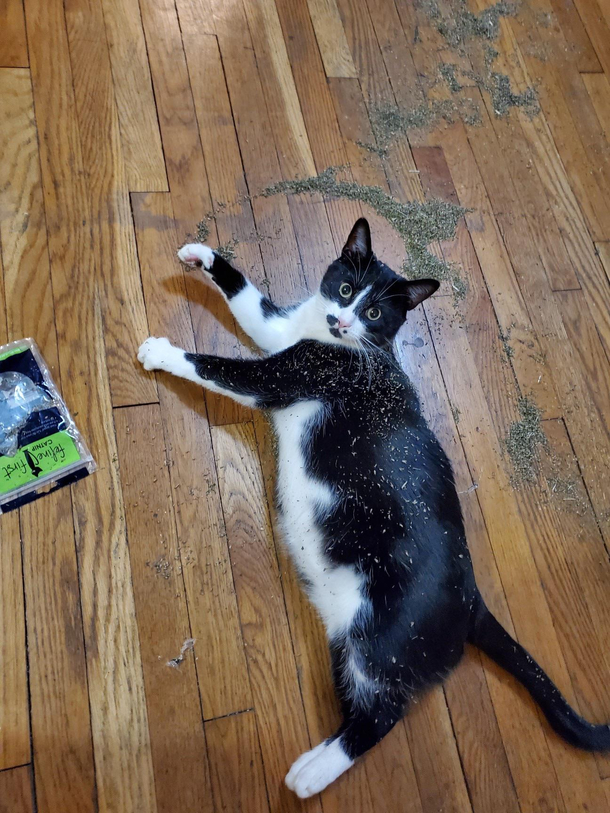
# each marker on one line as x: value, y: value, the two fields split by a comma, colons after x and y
x: 122, y: 123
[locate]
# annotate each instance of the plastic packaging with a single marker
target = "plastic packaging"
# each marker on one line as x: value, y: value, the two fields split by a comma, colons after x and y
x: 40, y: 447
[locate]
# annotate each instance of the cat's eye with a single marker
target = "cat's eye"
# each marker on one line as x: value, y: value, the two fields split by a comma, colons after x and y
x: 345, y: 289
x: 373, y: 314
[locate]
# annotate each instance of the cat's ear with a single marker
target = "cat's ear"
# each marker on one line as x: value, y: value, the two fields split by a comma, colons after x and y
x: 359, y: 241
x: 415, y: 291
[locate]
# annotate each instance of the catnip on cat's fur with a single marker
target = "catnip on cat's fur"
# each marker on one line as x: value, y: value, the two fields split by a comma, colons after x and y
x: 366, y: 497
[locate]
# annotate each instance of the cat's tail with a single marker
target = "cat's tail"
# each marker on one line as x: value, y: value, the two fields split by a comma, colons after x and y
x: 490, y: 636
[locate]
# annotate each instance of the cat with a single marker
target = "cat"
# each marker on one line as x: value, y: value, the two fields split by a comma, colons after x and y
x: 366, y: 497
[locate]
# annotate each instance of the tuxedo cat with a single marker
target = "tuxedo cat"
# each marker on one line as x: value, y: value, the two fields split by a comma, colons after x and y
x: 367, y: 500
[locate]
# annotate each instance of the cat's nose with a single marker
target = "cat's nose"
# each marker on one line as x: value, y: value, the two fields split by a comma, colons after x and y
x: 343, y: 323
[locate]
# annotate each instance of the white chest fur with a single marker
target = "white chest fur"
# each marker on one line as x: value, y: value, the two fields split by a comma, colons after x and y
x: 336, y: 591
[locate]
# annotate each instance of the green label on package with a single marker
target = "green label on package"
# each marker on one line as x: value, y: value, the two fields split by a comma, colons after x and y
x: 34, y: 461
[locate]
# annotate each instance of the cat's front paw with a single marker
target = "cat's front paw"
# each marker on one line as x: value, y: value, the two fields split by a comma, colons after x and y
x: 154, y: 353
x: 196, y: 254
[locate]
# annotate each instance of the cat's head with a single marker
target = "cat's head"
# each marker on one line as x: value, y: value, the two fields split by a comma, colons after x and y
x: 363, y: 299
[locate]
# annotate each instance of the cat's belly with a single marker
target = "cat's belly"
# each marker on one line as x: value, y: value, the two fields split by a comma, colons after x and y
x: 335, y: 590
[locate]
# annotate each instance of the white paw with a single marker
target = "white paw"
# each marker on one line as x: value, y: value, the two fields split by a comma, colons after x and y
x: 155, y: 353
x: 197, y: 254
x: 316, y: 769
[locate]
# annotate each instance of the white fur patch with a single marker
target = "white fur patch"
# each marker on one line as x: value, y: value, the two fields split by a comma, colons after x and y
x: 193, y: 253
x: 360, y: 687
x: 160, y: 354
x: 270, y: 333
x: 316, y: 769
x: 336, y: 591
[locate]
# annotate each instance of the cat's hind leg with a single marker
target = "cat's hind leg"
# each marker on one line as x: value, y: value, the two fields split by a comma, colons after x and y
x: 370, y: 710
x: 363, y: 727
x: 316, y: 769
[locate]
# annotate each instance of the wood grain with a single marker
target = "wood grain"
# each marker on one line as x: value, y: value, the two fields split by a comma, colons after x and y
x: 576, y: 35
x: 323, y: 132
x: 524, y: 594
x: 16, y: 794
x: 523, y: 740
x: 23, y: 231
x: 277, y: 700
x: 123, y: 124
x: 187, y: 173
x: 13, y: 42
x: 61, y: 727
x: 144, y: 162
x: 124, y: 777
x: 330, y: 35
x: 175, y: 721
x: 14, y: 700
x: 204, y: 556
x: 598, y: 88
x: 603, y: 251
x: 238, y: 780
x: 598, y: 29
x: 112, y: 229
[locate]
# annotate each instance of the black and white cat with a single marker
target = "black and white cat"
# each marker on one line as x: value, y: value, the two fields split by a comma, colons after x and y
x: 366, y: 495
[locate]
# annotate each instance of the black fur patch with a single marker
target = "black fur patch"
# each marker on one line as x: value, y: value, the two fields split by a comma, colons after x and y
x: 229, y: 279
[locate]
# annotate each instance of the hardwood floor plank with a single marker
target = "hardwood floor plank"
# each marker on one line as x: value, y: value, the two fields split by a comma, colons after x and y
x: 320, y: 119
x: 61, y: 727
x: 597, y: 27
x: 261, y: 164
x: 365, y: 52
x: 490, y: 278
x: 588, y: 349
x: 26, y: 311
x: 310, y: 216
x: 112, y: 228
x: 565, y: 207
x: 576, y: 35
x: 570, y: 117
x: 396, y: 52
x: 238, y: 779
x: 175, y: 720
x: 435, y: 756
x: 598, y: 88
x: 366, y: 168
x: 116, y: 692
x: 536, y: 203
x: 204, y: 556
x: 183, y: 157
x: 13, y: 41
x: 16, y: 793
x: 232, y: 210
x: 277, y: 700
x: 520, y: 740
x: 588, y: 434
x: 286, y: 118
x: 603, y: 251
x: 578, y: 777
x: 187, y: 175
x: 140, y: 137
x: 330, y: 35
x: 14, y: 699
x: 23, y: 233
x: 574, y: 571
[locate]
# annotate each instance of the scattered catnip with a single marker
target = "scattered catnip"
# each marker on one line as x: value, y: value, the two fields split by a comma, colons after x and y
x: 418, y: 224
x: 524, y: 442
